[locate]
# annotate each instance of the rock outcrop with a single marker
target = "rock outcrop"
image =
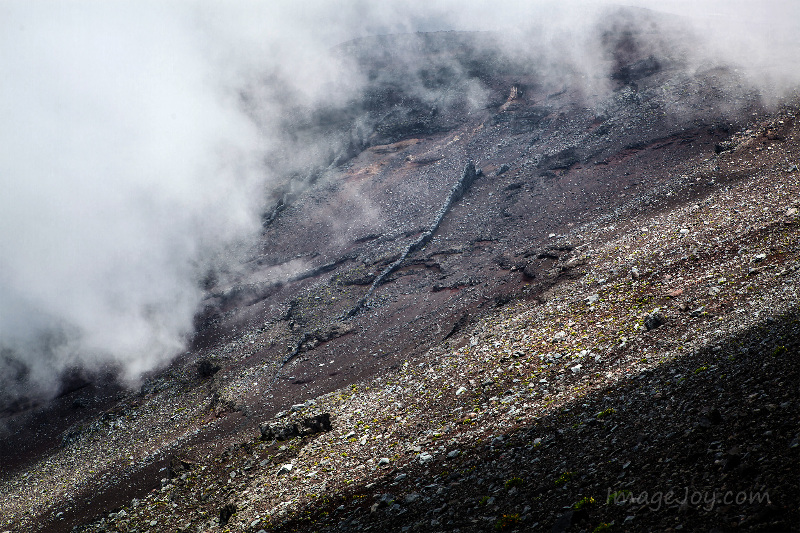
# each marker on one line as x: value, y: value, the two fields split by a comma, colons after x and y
x: 289, y: 430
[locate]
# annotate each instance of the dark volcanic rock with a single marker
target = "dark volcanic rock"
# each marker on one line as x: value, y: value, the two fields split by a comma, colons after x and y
x: 226, y: 513
x: 178, y: 466
x: 563, y: 159
x: 317, y: 424
x: 637, y: 70
x: 207, y: 368
x: 279, y: 431
x: 654, y: 320
x: 406, y: 233
x: 288, y: 430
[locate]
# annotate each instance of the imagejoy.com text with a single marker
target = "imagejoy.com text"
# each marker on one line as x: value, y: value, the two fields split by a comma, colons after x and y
x: 705, y: 499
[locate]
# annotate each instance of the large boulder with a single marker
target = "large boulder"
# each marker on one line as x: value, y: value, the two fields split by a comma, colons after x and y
x: 288, y: 430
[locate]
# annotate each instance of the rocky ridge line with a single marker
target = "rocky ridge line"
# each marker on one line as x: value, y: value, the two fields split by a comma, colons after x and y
x: 468, y: 176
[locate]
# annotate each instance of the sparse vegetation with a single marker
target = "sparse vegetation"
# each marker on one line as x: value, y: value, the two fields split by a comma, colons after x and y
x: 539, y: 373
x: 606, y: 412
x: 564, y: 478
x: 507, y: 522
x: 586, y: 501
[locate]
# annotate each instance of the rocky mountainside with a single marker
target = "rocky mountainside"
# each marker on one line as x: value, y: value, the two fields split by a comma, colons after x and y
x: 499, y: 300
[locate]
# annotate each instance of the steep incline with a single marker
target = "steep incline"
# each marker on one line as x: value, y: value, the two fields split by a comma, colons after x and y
x: 469, y: 337
x: 463, y: 184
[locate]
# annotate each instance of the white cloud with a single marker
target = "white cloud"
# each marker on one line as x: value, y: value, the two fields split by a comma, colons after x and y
x: 128, y: 165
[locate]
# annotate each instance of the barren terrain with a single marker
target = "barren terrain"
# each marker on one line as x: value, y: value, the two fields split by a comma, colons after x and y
x: 598, y: 333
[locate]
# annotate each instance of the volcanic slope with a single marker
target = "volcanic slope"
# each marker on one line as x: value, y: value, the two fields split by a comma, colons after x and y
x: 609, y: 309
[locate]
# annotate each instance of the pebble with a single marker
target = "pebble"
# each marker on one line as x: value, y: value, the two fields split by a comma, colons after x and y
x: 426, y: 457
x: 654, y: 320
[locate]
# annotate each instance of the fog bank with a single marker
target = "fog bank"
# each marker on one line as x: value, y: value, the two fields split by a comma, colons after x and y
x: 142, y: 141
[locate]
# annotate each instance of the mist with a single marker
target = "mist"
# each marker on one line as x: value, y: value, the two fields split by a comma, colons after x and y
x: 143, y: 141
x: 127, y: 171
